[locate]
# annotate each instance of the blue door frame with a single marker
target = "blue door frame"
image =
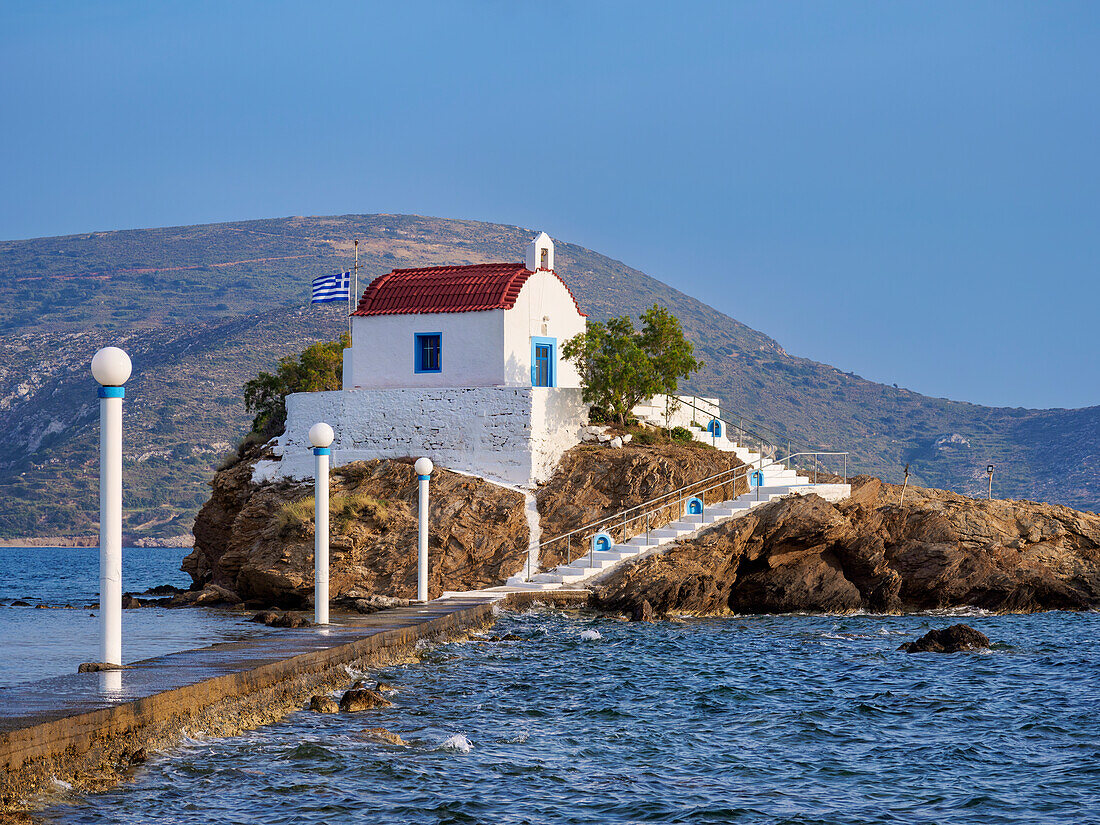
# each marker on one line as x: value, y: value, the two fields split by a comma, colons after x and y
x: 544, y: 362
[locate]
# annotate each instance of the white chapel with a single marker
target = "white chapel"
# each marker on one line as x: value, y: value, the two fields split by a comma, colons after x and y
x: 462, y: 364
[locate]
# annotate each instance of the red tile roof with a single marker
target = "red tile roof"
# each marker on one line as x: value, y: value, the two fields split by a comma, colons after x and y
x: 446, y: 289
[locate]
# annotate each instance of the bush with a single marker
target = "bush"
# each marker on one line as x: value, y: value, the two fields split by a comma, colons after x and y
x: 320, y: 367
x: 682, y: 435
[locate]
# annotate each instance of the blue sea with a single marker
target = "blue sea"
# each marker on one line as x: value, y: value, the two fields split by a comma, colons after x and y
x: 38, y: 643
x: 586, y: 719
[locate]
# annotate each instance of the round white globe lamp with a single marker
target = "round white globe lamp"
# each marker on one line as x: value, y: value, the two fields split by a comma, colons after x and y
x: 321, y: 435
x: 424, y: 466
x: 111, y: 367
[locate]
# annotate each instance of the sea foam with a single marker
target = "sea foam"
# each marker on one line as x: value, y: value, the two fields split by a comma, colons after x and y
x: 456, y: 742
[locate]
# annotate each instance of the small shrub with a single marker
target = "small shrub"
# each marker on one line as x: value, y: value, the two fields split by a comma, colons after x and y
x: 294, y: 515
x: 353, y: 507
x: 596, y: 415
x: 682, y: 435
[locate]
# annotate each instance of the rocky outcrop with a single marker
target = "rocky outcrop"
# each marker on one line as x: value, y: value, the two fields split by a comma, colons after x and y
x: 592, y: 482
x: 257, y: 540
x: 870, y: 552
x: 954, y: 639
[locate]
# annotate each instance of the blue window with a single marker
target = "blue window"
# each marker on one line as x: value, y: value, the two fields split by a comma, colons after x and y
x: 544, y: 362
x: 715, y: 428
x: 428, y: 352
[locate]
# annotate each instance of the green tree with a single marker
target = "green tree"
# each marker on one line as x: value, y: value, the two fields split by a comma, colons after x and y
x: 619, y: 366
x: 672, y: 355
x: 320, y: 367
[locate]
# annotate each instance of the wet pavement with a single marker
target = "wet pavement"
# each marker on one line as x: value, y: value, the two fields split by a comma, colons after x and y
x: 28, y: 704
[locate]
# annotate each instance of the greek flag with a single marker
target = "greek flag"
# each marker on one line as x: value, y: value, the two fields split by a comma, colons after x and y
x: 329, y: 288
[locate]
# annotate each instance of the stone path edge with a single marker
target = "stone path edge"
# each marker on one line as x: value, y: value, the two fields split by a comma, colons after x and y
x: 94, y: 750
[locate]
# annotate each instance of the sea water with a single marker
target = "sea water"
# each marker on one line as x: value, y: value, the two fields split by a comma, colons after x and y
x: 36, y: 643
x: 771, y: 719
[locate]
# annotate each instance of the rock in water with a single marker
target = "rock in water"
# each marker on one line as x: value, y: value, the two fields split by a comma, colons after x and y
x: 643, y: 612
x: 382, y: 735
x: 323, y: 704
x: 291, y: 620
x: 97, y: 667
x: 356, y: 700
x: 952, y: 639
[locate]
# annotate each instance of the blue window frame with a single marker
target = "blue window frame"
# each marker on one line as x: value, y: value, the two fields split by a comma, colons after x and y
x: 544, y: 362
x: 428, y: 352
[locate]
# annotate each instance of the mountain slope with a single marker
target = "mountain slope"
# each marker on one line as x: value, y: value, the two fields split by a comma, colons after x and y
x: 201, y: 309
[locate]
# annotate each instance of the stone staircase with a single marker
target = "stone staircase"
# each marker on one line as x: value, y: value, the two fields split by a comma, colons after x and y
x: 778, y: 482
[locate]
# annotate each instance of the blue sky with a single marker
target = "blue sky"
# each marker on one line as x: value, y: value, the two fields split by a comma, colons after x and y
x: 904, y: 190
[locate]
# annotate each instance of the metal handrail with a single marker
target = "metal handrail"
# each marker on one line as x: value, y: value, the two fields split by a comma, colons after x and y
x: 775, y: 439
x: 679, y: 495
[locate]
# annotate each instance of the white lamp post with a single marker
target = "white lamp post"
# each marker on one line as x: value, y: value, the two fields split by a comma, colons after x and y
x: 423, y: 469
x: 320, y: 436
x: 110, y: 367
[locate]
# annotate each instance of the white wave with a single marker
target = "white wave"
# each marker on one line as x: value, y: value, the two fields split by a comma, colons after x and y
x: 590, y: 635
x: 456, y: 742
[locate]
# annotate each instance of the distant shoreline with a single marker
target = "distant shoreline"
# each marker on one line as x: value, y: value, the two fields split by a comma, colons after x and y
x: 93, y: 541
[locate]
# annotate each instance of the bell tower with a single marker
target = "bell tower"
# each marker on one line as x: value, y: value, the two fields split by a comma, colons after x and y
x: 540, y: 253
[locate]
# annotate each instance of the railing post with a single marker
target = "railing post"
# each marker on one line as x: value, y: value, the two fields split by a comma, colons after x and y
x: 759, y: 475
x: 815, y: 468
x: 845, y: 468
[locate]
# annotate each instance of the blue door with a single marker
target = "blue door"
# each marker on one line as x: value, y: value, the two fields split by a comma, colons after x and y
x: 542, y: 362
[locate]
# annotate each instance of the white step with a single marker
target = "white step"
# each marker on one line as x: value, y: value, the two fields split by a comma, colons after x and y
x: 673, y: 530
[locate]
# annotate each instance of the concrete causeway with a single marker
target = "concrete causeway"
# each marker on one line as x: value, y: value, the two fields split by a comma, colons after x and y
x: 88, y: 729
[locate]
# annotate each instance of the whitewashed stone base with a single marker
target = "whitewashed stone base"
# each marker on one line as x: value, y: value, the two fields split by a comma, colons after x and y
x: 511, y: 434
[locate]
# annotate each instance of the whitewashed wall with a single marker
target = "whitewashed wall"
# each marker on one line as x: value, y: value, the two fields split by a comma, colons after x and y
x: 542, y: 296
x: 510, y: 434
x: 382, y: 353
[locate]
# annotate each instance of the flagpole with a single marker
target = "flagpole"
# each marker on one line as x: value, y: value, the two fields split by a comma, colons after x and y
x: 354, y: 292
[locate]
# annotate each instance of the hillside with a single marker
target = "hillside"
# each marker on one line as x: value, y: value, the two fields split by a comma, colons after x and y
x: 201, y: 309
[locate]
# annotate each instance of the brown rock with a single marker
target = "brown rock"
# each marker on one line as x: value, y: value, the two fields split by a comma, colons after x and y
x: 291, y: 620
x: 952, y: 639
x: 940, y: 550
x: 96, y: 667
x: 208, y: 596
x: 361, y: 699
x: 267, y: 617
x: 129, y: 602
x: 382, y: 735
x: 323, y: 704
x: 643, y: 612
x: 591, y: 483
x: 252, y: 540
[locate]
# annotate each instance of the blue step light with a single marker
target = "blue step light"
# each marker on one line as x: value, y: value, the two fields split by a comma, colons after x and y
x: 601, y: 543
x: 715, y: 428
x: 694, y: 506
x: 756, y: 479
